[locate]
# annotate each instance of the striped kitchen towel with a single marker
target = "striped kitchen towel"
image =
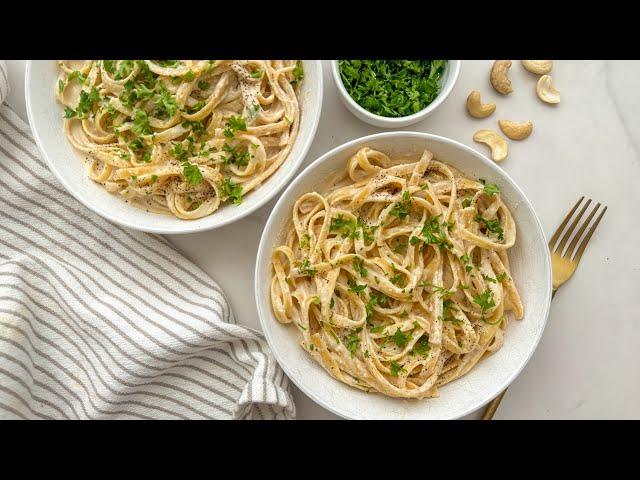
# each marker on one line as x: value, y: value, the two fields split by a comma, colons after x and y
x: 101, y: 322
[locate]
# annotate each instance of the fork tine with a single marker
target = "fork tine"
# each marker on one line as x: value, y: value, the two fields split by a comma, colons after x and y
x: 579, y: 233
x: 558, y: 231
x: 571, y: 228
x: 583, y: 245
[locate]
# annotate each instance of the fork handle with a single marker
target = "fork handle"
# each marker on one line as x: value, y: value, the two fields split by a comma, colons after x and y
x: 490, y: 411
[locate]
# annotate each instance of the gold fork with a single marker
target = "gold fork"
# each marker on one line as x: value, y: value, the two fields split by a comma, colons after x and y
x: 562, y: 264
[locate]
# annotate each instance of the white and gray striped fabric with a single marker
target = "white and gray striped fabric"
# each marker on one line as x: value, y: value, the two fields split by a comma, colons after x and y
x: 100, y: 322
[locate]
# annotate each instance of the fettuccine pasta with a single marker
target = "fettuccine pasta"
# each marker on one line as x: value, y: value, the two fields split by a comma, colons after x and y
x: 398, y: 278
x: 181, y: 136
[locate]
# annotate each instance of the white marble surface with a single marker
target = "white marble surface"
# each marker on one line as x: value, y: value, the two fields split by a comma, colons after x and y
x: 588, y: 362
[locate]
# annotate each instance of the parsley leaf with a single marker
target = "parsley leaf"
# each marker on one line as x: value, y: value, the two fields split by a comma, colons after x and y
x: 422, y: 347
x: 233, y: 125
x: 400, y: 338
x: 141, y: 123
x: 485, y: 301
x: 401, y: 209
x: 358, y: 266
x: 192, y: 172
x: 491, y: 189
x: 396, y: 368
x: 235, y: 156
x: 298, y: 73
x: 355, y: 288
x: 492, y: 226
x: 353, y: 341
x: 230, y: 191
x: 305, y: 268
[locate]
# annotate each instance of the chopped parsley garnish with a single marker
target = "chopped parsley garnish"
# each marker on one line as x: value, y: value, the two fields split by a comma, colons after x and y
x: 154, y: 178
x: 353, y: 341
x: 396, y: 368
x: 501, y: 277
x: 192, y: 172
x: 485, y: 301
x: 141, y: 124
x: 298, y: 73
x: 233, y: 125
x: 355, y: 288
x: 358, y: 266
x: 401, y: 209
x: 488, y: 278
x: 109, y: 65
x: 436, y: 289
x: 433, y: 233
x: 392, y: 88
x: 124, y: 69
x: 304, y: 242
x: 375, y: 300
x: 166, y: 105
x: 235, y: 156
x: 60, y: 86
x: 400, y: 338
x: 85, y: 104
x: 305, y: 268
x: 202, y: 85
x: 196, y: 107
x: 491, y: 189
x: 466, y: 202
x: 400, y: 247
x: 189, y: 76
x: 367, y: 230
x: 467, y: 263
x: 76, y: 74
x: 422, y: 347
x: 257, y: 73
x: 168, y: 63
x: 397, y: 279
x: 230, y: 191
x: 492, y: 226
x: 348, y: 228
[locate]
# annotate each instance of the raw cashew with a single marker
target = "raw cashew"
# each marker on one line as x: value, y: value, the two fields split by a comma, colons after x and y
x: 496, y: 143
x: 539, y: 67
x: 516, y: 130
x: 546, y: 91
x: 500, y: 76
x: 478, y: 109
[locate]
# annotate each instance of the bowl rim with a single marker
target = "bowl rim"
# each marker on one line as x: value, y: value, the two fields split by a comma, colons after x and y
x: 262, y: 315
x: 188, y: 226
x: 398, y: 121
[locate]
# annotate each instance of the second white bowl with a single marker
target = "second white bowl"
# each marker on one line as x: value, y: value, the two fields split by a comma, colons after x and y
x: 531, y: 269
x: 46, y: 119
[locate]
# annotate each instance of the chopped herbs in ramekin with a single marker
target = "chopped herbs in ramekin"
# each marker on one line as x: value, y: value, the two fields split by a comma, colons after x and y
x: 392, y: 88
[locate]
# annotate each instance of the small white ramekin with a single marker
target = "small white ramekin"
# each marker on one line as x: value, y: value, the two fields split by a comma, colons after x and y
x: 448, y: 80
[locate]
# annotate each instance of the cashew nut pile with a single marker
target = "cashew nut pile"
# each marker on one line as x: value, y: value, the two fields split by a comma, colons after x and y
x: 499, y: 78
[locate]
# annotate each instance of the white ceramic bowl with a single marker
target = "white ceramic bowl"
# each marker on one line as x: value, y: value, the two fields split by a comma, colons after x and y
x: 447, y: 81
x: 45, y: 117
x: 531, y: 269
